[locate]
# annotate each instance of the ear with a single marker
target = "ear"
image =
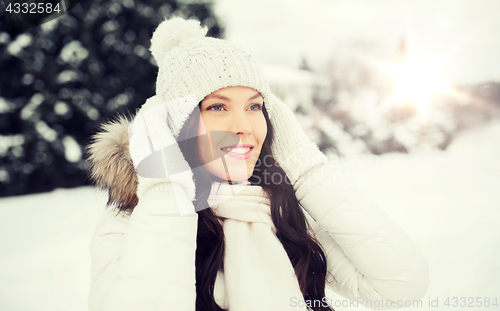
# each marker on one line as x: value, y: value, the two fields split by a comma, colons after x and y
x: 110, y: 164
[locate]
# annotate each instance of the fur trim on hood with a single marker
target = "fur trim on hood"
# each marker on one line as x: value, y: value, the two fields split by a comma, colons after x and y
x: 111, y: 166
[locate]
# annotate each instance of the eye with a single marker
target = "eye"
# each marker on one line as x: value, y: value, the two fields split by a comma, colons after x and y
x: 256, y: 107
x: 216, y: 107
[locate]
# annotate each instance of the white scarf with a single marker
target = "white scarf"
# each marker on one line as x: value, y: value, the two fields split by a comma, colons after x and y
x: 257, y: 271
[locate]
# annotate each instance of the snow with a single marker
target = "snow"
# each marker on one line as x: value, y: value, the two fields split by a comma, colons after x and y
x: 72, y: 150
x: 74, y: 52
x: 4, y: 175
x: 48, y: 133
x: 50, y: 25
x: 22, y: 41
x: 448, y: 202
x: 118, y: 101
x: 67, y: 76
x: 61, y: 108
x: 110, y: 26
x: 35, y: 101
x: 27, y: 79
x: 4, y: 37
x: 9, y: 141
x: 44, y: 257
x: 343, y: 141
x: 4, y: 105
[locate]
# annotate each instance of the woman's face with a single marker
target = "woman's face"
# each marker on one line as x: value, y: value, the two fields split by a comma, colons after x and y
x: 236, y: 127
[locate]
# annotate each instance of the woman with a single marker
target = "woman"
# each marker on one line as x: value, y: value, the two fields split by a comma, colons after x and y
x: 220, y: 201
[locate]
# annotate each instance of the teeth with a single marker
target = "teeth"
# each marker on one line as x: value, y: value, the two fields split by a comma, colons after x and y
x: 237, y: 150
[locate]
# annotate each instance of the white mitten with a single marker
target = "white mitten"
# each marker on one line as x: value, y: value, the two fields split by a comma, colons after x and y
x: 156, y: 154
x: 294, y: 151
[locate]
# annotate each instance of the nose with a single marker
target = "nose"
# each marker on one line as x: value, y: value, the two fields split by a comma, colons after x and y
x: 240, y: 124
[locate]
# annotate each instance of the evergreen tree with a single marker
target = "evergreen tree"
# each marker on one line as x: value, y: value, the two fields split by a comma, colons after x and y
x: 59, y: 81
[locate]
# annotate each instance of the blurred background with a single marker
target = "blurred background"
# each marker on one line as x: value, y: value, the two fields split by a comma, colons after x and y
x: 405, y: 94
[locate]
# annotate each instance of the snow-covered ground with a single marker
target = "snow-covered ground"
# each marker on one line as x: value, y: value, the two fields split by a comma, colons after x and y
x: 448, y: 202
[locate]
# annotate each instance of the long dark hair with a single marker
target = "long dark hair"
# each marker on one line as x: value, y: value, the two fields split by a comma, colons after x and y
x: 304, y: 252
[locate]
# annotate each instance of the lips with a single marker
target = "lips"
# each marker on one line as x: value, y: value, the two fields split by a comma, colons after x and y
x: 240, y: 151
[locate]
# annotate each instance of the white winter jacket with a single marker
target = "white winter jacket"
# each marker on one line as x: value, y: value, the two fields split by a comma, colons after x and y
x: 148, y: 263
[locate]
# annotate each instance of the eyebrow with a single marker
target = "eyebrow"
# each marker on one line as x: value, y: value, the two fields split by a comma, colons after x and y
x: 227, y: 99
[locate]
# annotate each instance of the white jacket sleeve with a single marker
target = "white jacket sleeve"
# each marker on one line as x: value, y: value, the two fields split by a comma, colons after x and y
x: 369, y: 255
x: 145, y: 262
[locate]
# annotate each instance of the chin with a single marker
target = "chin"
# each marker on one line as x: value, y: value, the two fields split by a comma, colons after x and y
x: 235, y: 177
x: 237, y: 173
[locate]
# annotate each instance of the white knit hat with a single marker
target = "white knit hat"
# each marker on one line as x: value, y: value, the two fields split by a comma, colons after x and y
x: 190, y: 63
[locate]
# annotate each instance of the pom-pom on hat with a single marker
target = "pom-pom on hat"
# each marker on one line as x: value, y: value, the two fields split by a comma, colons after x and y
x: 190, y: 63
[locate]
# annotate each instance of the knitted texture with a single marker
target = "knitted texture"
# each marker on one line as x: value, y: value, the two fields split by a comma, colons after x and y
x: 258, y: 274
x: 155, y: 153
x: 293, y: 150
x: 191, y: 64
x: 191, y: 67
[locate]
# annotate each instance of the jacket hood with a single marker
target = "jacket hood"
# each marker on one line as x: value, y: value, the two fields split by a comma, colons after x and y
x: 110, y: 164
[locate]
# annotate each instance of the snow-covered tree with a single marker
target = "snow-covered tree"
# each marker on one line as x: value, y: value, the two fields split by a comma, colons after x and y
x: 61, y: 79
x: 372, y: 99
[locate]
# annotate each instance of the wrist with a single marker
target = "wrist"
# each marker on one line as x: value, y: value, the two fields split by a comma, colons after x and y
x: 146, y: 185
x: 298, y: 163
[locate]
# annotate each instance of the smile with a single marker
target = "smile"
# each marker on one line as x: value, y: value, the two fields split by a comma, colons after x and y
x: 241, y: 152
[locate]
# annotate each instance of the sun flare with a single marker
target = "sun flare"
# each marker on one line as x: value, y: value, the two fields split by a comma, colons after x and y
x: 418, y: 81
